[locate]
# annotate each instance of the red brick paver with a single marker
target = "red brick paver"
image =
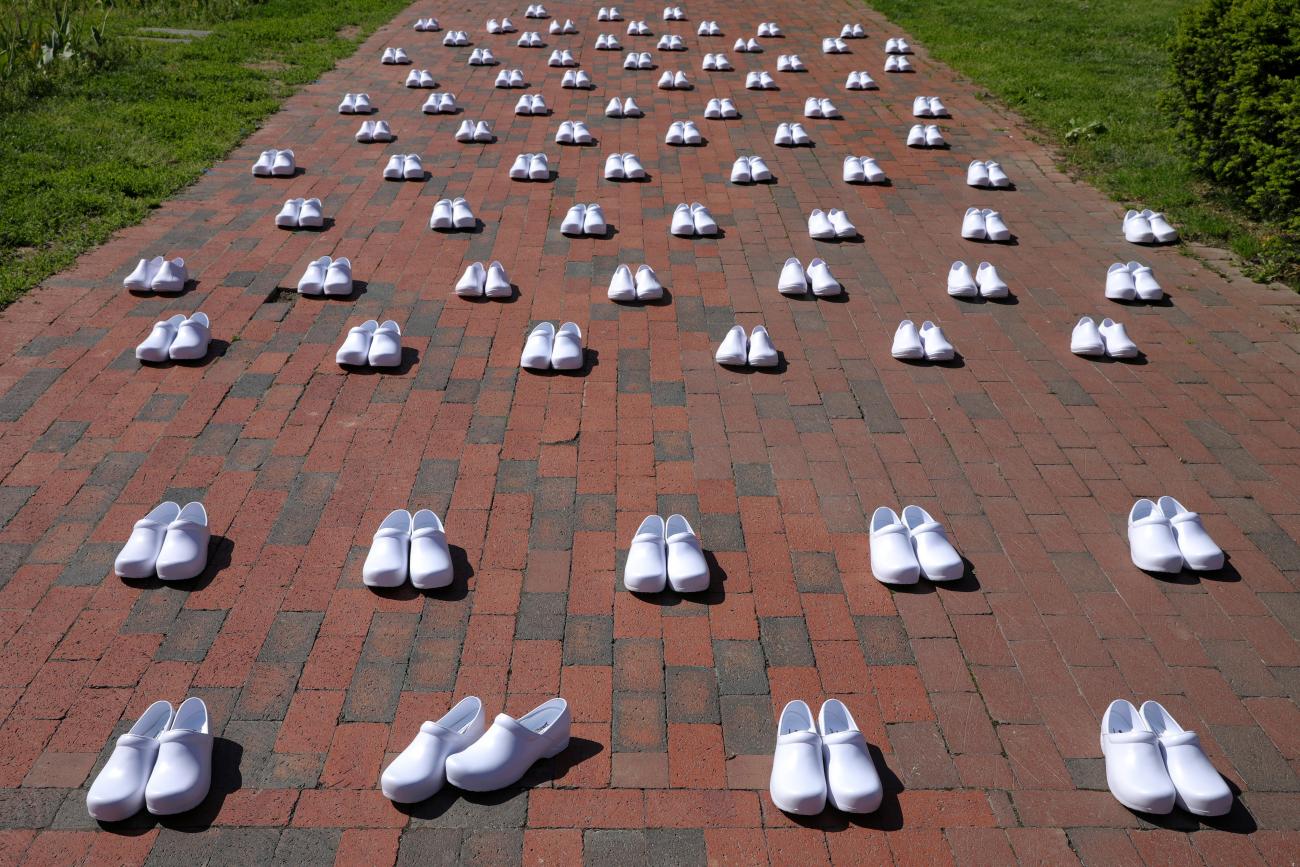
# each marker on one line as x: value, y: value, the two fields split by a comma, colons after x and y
x: 983, y: 697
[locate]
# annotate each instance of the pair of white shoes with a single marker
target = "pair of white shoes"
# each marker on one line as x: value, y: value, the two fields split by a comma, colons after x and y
x: 471, y: 131
x: 708, y: 28
x: 380, y: 131
x: 924, y: 136
x: 567, y: 27
x: 716, y: 63
x: 721, y: 109
x: 393, y: 56
x: 426, y: 25
x: 747, y: 47
x: 903, y: 549
x: 862, y: 170
x: 508, y: 78
x: 984, y: 224
x: 326, y: 276
x: 440, y: 103
x: 929, y: 106
x: 1131, y: 282
x: 273, y: 163
x: 897, y: 45
x: 756, y: 350
x: 985, y: 282
x: 480, y: 282
x: 607, y: 42
x: 536, y: 10
x: 609, y: 14
x: 670, y: 42
x: 561, y: 57
x: 1153, y: 763
x: 1147, y: 227
x: 821, y: 762
x: 530, y: 167
x: 170, y: 542
x: 1165, y: 536
x: 456, y: 38
x: 638, y: 28
x: 693, y: 219
x: 790, y: 63
x: 683, y: 132
x: 853, y: 31
x: 579, y: 80
x: 162, y: 763
x: 834, y: 45
x: 300, y: 214
x: 482, y: 57
x: 1109, y: 338
x: 644, y: 287
x: 449, y: 214
x: 408, y: 167
x: 164, y: 276
x: 457, y: 750
x: 898, y: 63
x: 495, y: 27
x: 179, y: 338
x: 674, y: 13
x: 549, y: 349
x: 750, y: 170
x: 860, y: 80
x: 815, y: 107
x: 928, y: 342
x: 355, y: 103
x: 619, y: 167
x: 407, y: 546
x: 769, y: 28
x: 830, y: 225
x: 794, y: 280
x: 665, y: 553
x: 987, y: 173
x: 420, y: 78
x: 674, y: 81
x: 638, y: 60
x: 372, y: 345
x: 791, y: 135
x: 573, y: 132
x: 626, y: 108
x: 585, y: 220
x: 530, y: 39
x: 755, y: 80
x: 531, y: 104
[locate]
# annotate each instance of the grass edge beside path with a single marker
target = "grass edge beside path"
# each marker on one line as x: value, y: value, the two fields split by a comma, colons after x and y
x: 1088, y: 74
x: 101, y: 151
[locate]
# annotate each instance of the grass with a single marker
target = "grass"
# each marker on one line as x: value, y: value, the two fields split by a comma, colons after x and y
x: 95, y: 152
x: 1089, y: 73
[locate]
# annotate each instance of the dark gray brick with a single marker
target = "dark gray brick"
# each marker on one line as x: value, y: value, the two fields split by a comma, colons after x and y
x: 741, y: 667
x: 26, y: 391
x: 815, y: 572
x: 541, y: 616
x: 61, y: 436
x: 307, y: 846
x: 190, y: 636
x: 754, y: 480
x: 785, y: 641
x: 589, y: 640
x: 692, y: 695
x: 747, y: 724
x: 884, y: 640
x: 291, y: 637
x: 609, y: 848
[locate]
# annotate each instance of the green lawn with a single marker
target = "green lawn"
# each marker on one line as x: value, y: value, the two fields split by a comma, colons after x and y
x: 1089, y: 73
x: 99, y: 151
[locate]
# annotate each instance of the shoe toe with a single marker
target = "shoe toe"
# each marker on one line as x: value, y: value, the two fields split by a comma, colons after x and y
x: 803, y: 797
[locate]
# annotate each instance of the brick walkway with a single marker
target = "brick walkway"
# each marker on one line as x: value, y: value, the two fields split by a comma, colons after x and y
x: 983, y: 698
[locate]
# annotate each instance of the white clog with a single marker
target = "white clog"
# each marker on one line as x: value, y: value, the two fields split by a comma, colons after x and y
x: 1153, y: 547
x: 356, y: 346
x: 1144, y: 282
x: 994, y: 228
x: 798, y: 781
x: 388, y: 560
x: 621, y: 286
x: 646, y: 568
x: 172, y: 275
x: 473, y: 282
x: 139, y: 556
x: 192, y: 339
x: 312, y: 281
x: 118, y: 791
x: 338, y: 277
x: 1200, y: 552
x: 430, y: 565
x: 893, y: 559
x: 1164, y: 232
x: 703, y: 220
x: 567, y: 352
x: 510, y: 747
x: 793, y: 280
x: 386, y: 346
x: 734, y: 349
x: 991, y: 284
x: 939, y: 560
x: 648, y: 287
x: 537, y: 348
x: 762, y: 353
x: 852, y: 781
x: 154, y: 348
x: 184, y: 551
x: 1200, y: 789
x: 141, y: 279
x: 688, y: 571
x: 907, y: 342
x: 1120, y: 285
x: 961, y: 283
x: 936, y: 344
x: 497, y: 284
x: 1085, y: 339
x: 182, y: 774
x: 1135, y: 769
x: 1118, y: 343
x: 823, y: 282
x: 819, y: 226
x: 1137, y: 228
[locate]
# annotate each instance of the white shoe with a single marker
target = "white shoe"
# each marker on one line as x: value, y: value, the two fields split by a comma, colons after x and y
x: 819, y: 226
x: 539, y: 104
x: 734, y: 349
x: 461, y: 215
x: 356, y: 346
x: 387, y: 562
x: 907, y: 342
x: 1137, y: 229
x: 994, y: 228
x: 729, y: 111
x: 510, y: 747
x: 140, y: 279
x: 683, y: 224
x: 539, y: 168
x: 752, y: 81
x: 798, y: 781
x: 117, y: 792
x: 184, y: 551
x: 852, y: 781
x: 1135, y: 768
x: 537, y: 349
x: 713, y: 110
x: 1120, y: 284
x: 961, y: 283
x: 386, y: 345
x: 1144, y: 282
x: 154, y: 348
x: 483, y: 131
x: 1200, y: 553
x: 1118, y: 343
x: 812, y: 107
x: 1160, y: 227
x: 472, y: 282
x: 567, y: 352
x: 497, y: 284
x: 442, y: 215
x: 933, y: 137
x: 680, y: 81
x: 783, y: 136
x: 824, y: 284
x: 192, y: 339
x: 937, y: 557
x: 758, y: 170
x: 138, y: 558
x: 393, y: 171
x: 519, y: 168
x: 573, y: 220
x: 381, y: 132
x: 309, y: 216
x: 990, y: 283
x: 828, y: 109
x: 621, y: 285
x: 388, y: 57
x: 977, y: 173
x: 798, y: 135
x: 893, y: 559
x: 288, y: 216
x: 916, y: 136
x: 1086, y: 339
x: 431, y: 565
x: 972, y: 225
x: 1200, y: 789
x: 840, y: 222
x: 676, y: 134
x: 997, y: 178
x: 691, y: 134
x: 1152, y: 543
x: 632, y: 168
x: 872, y: 173
x: 703, y: 220
x: 564, y: 135
x: 766, y: 81
x: 182, y: 772
x: 937, y: 347
x: 172, y: 275
x: 648, y: 287
x: 740, y: 173
x: 793, y: 280
x: 646, y: 568
x: 614, y: 108
x: 284, y: 165
x: 762, y: 353
x: 593, y: 221
x: 581, y: 135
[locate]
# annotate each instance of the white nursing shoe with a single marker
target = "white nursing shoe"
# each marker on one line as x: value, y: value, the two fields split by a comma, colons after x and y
x: 893, y: 559
x: 798, y: 781
x: 939, y: 560
x: 646, y: 569
x: 648, y: 287
x: 388, y: 559
x: 1201, y: 791
x: 852, y: 782
x: 1118, y: 343
x: 192, y: 338
x: 990, y: 283
x: 1199, y: 551
x: 734, y: 349
x: 688, y: 571
x: 510, y: 747
x: 1152, y: 544
x: 621, y: 285
x: 907, y: 342
x: 118, y: 792
x: 139, y: 556
x: 961, y: 282
x: 937, y: 347
x: 1086, y: 339
x: 537, y: 348
x: 419, y: 771
x: 793, y: 280
x: 182, y: 774
x: 761, y: 351
x: 154, y: 348
x: 823, y: 282
x: 1120, y: 285
x: 184, y: 551
x: 1135, y: 770
x: 567, y: 352
x: 386, y: 345
x: 356, y: 346
x: 430, y: 558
